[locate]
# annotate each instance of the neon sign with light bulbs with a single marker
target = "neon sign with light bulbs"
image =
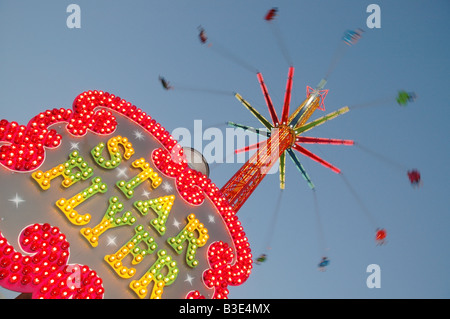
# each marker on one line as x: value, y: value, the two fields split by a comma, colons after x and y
x: 111, y: 204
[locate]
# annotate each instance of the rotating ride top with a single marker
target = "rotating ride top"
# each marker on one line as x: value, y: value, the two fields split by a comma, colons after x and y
x: 284, y: 135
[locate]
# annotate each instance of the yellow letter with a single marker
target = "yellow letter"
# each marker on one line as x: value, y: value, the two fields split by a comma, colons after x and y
x: 114, y: 153
x: 108, y: 221
x: 193, y: 243
x: 67, y: 205
x: 147, y: 173
x: 160, y: 206
x: 66, y: 170
x: 155, y: 274
x: 132, y: 246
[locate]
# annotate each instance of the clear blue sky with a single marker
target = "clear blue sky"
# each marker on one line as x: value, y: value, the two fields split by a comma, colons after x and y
x: 122, y: 47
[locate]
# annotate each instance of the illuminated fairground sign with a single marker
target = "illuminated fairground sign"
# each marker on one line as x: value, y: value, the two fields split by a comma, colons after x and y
x: 99, y: 201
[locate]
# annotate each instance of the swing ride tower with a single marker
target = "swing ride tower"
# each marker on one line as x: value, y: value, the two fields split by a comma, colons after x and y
x: 247, y: 178
x: 283, y: 136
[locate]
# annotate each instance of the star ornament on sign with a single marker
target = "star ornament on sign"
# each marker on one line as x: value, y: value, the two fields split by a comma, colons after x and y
x: 167, y: 187
x: 74, y: 146
x: 17, y: 200
x: 189, y: 279
x: 138, y: 135
x: 111, y: 241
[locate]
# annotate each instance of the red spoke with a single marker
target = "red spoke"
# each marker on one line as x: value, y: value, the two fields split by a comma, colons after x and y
x: 287, y: 96
x: 318, y: 140
x: 316, y: 158
x: 269, y: 103
x: 250, y: 147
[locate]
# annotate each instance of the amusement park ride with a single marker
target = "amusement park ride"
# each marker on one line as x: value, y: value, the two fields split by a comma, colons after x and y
x: 284, y: 136
x: 182, y: 239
